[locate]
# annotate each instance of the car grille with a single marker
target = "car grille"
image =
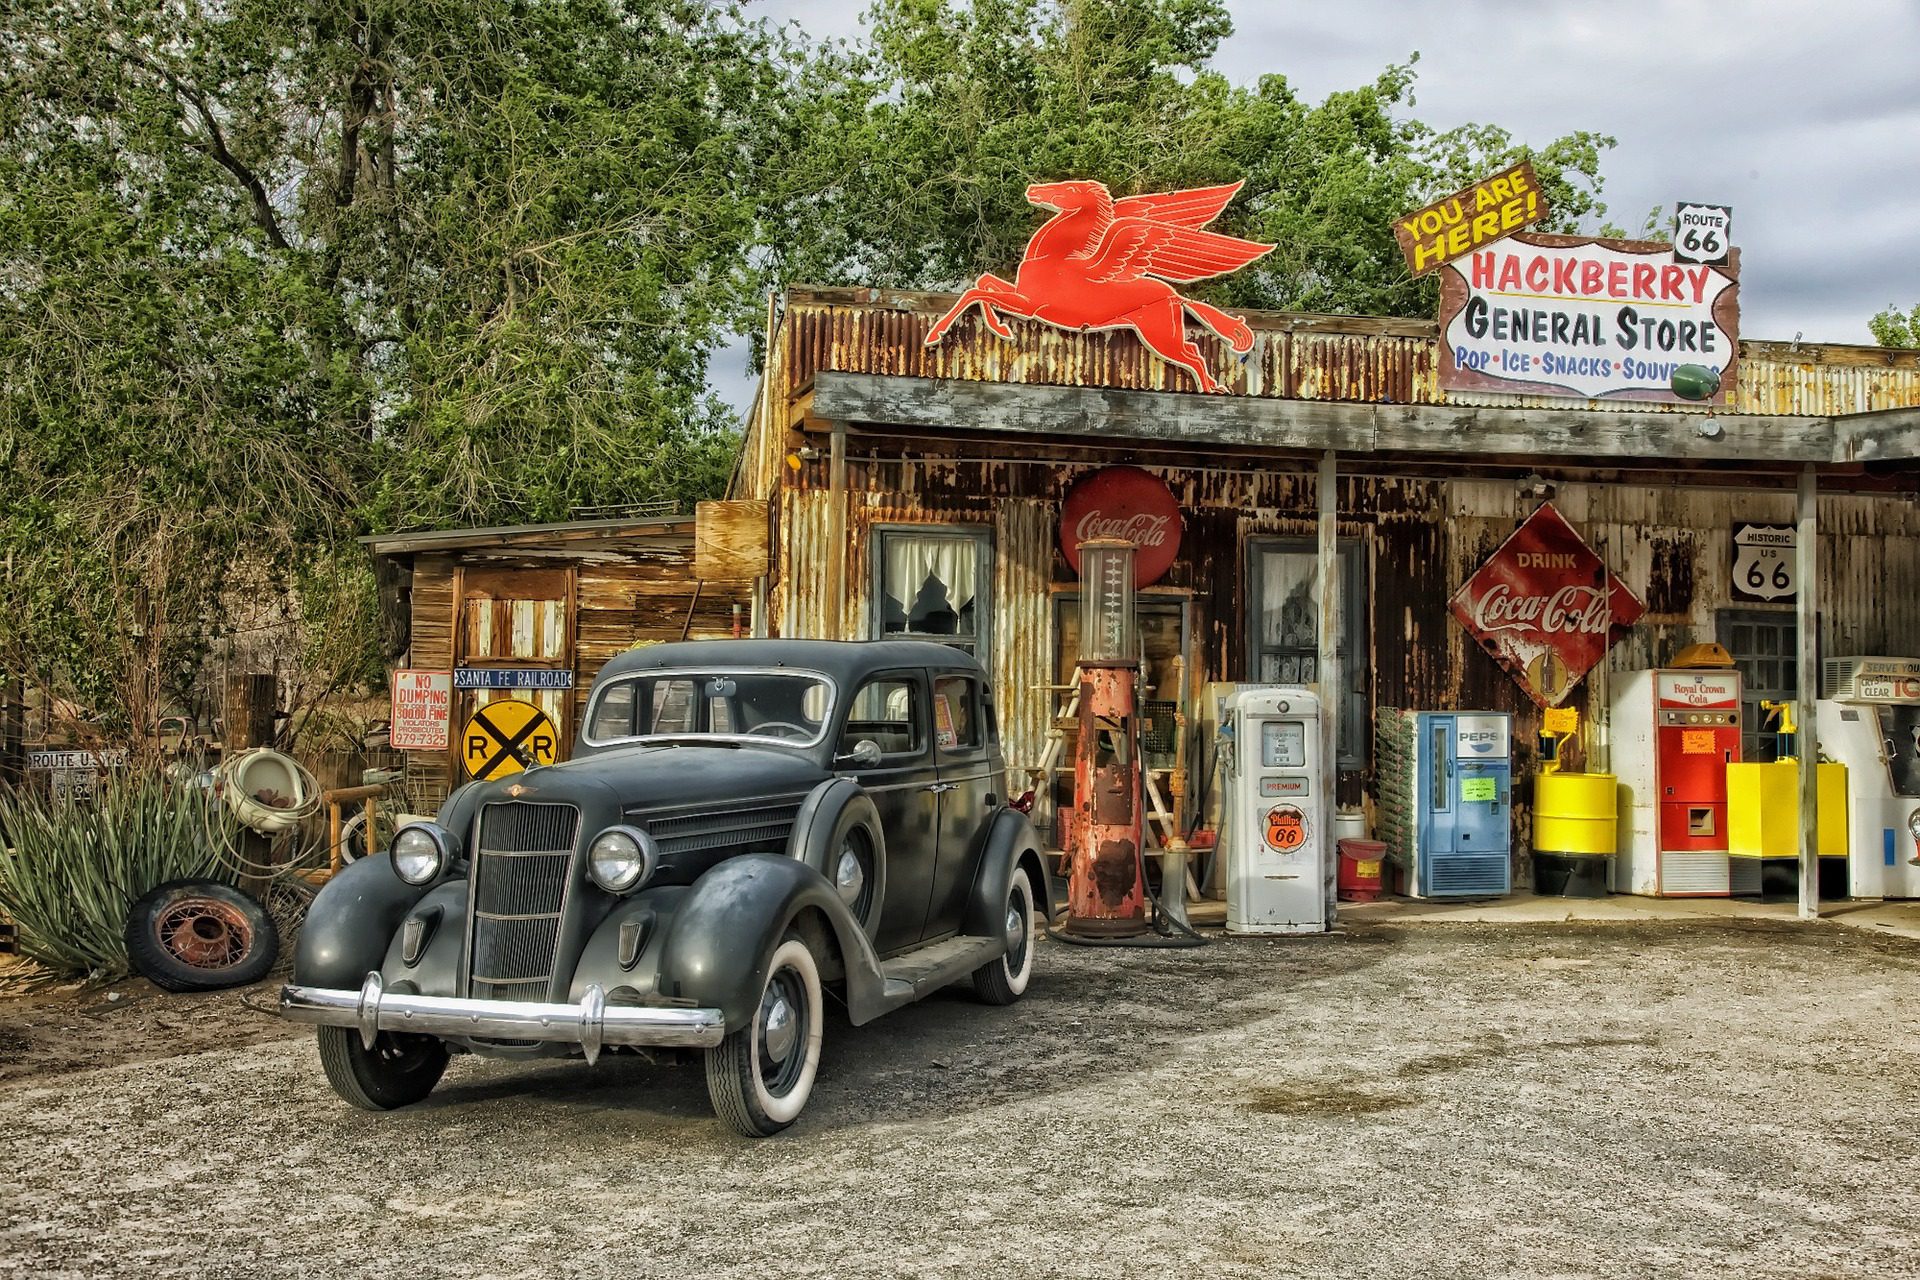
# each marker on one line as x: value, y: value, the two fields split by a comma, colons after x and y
x: 522, y: 865
x: 705, y: 838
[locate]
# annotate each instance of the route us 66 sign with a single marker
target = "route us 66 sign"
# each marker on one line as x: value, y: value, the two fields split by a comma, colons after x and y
x: 1764, y: 562
x: 1702, y: 233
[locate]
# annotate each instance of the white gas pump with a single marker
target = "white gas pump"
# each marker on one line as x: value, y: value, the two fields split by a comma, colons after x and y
x: 1870, y: 722
x: 1280, y: 817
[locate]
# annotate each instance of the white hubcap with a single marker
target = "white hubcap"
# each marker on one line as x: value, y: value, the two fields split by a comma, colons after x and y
x: 777, y: 1029
x: 849, y: 878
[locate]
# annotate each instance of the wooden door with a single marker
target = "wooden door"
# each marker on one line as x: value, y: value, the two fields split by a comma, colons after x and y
x: 515, y: 619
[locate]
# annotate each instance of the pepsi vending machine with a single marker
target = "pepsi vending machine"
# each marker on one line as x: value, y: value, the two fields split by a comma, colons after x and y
x: 1446, y: 799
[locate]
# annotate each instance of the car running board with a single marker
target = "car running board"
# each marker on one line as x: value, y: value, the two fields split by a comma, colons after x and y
x: 919, y: 973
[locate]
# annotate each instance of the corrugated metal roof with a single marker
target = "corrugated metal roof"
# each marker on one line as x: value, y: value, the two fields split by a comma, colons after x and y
x: 1295, y: 356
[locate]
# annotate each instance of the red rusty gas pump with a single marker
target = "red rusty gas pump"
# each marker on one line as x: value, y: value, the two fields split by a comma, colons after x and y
x: 1106, y: 897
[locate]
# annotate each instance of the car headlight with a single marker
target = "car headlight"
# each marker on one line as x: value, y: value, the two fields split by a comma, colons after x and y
x: 621, y: 859
x: 421, y: 851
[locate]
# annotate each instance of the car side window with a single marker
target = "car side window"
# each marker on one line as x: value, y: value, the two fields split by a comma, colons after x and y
x: 956, y: 714
x: 613, y: 714
x: 885, y: 711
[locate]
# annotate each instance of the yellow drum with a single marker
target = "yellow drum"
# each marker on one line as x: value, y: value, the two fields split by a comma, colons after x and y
x: 1575, y: 813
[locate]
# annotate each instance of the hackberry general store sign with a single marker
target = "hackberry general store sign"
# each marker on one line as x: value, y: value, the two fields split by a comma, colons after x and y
x: 1546, y: 606
x: 1583, y: 317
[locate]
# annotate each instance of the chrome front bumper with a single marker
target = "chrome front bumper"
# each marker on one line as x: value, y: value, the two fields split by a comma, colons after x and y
x: 591, y: 1024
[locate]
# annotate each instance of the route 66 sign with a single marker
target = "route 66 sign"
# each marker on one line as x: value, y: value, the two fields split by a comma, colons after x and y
x: 1702, y: 233
x: 1764, y: 562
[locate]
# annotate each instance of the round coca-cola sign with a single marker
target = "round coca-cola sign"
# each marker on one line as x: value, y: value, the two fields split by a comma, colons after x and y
x: 1123, y: 502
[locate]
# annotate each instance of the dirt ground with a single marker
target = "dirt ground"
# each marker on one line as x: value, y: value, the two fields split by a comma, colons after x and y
x: 1699, y: 1098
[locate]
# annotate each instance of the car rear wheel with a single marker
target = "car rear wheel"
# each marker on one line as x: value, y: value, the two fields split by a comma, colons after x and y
x: 1004, y: 980
x: 398, y: 1071
x: 761, y: 1076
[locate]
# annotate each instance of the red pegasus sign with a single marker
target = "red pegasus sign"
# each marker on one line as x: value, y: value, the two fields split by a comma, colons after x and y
x: 1090, y: 267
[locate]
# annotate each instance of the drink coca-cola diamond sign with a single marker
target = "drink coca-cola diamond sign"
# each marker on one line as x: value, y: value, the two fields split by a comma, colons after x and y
x: 1123, y: 502
x: 1546, y: 606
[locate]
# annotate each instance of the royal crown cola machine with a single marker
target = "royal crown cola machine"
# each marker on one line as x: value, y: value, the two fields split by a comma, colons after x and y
x: 1675, y: 731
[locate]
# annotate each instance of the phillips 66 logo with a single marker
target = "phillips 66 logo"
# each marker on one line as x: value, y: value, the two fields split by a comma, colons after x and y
x: 1763, y: 562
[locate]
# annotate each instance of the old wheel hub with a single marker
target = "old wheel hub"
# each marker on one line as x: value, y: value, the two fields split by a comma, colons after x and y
x: 778, y: 1027
x: 203, y: 933
x: 850, y: 878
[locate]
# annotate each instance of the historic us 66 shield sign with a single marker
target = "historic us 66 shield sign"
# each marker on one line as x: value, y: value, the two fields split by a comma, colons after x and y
x: 1763, y: 562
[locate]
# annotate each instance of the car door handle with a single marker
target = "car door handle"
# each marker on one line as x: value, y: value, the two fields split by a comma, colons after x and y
x: 938, y: 787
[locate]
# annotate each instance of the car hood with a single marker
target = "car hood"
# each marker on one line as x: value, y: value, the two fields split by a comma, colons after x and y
x: 667, y: 776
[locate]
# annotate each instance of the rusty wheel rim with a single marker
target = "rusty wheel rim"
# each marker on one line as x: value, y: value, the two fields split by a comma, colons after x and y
x: 204, y: 933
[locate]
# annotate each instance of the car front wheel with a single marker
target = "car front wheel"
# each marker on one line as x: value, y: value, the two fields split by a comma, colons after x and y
x: 1004, y: 980
x: 398, y: 1071
x: 761, y: 1076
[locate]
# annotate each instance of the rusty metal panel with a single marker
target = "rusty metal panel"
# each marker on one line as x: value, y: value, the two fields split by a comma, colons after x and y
x: 1021, y: 647
x: 804, y: 605
x: 1349, y: 358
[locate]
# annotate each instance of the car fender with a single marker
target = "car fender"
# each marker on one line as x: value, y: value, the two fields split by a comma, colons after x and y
x: 436, y: 970
x: 720, y: 939
x: 351, y: 923
x: 821, y: 823
x: 1010, y: 842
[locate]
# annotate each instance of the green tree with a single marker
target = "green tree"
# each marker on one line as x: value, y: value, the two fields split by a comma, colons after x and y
x: 276, y: 274
x: 1896, y: 328
x: 924, y: 138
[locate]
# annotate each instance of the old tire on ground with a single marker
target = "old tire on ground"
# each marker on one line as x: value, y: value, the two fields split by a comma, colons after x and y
x: 200, y: 935
x: 760, y: 1077
x: 398, y: 1071
x: 1004, y: 979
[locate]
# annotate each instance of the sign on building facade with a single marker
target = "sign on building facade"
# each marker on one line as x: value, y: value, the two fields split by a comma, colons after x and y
x: 1546, y: 606
x: 1764, y: 562
x: 1128, y: 503
x: 422, y: 709
x: 1587, y: 318
x: 1486, y: 211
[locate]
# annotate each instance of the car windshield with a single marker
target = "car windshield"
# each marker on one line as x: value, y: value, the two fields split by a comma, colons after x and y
x: 775, y: 706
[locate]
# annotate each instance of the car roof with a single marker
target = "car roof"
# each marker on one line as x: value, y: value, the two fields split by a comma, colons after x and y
x: 844, y: 660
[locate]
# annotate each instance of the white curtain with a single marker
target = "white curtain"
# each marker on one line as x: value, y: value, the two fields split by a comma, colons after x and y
x: 911, y: 558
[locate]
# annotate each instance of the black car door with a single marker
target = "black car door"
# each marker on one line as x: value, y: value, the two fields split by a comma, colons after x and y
x: 890, y: 710
x: 968, y: 785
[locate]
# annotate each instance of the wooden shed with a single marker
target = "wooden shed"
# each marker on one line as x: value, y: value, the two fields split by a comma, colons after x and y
x: 549, y: 598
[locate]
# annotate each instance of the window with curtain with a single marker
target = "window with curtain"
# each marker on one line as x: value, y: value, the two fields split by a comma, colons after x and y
x: 932, y: 584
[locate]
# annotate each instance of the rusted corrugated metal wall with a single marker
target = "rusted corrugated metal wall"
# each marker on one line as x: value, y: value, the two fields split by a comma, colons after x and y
x: 1305, y: 357
x: 1421, y: 536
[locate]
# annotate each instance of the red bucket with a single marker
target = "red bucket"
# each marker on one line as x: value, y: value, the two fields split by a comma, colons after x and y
x: 1360, y: 863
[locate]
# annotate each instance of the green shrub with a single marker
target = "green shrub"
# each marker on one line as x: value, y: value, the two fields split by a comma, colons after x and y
x: 69, y: 872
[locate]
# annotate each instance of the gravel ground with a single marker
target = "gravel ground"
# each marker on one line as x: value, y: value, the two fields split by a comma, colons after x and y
x: 1437, y: 1100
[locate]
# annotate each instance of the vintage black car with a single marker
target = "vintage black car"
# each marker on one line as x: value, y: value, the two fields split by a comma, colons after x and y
x: 746, y: 827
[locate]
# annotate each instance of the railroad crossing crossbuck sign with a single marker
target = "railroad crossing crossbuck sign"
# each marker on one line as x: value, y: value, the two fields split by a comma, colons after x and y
x: 506, y: 736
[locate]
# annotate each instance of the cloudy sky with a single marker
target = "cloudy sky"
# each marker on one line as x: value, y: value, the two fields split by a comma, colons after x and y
x: 1802, y: 116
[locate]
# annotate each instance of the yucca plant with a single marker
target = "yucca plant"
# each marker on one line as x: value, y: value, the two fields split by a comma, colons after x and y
x: 69, y: 872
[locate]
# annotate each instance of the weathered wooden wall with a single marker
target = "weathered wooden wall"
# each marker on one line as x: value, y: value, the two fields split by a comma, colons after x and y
x: 636, y: 592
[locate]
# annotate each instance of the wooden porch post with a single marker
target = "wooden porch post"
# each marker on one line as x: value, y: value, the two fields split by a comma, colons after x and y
x: 1328, y: 666
x: 1806, y: 689
x: 837, y: 491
